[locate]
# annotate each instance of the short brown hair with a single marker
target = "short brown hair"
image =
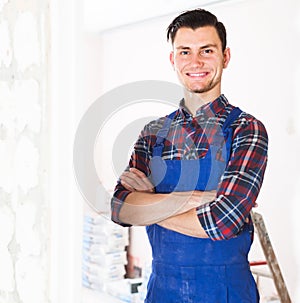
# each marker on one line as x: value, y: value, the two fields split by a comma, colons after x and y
x: 194, y: 19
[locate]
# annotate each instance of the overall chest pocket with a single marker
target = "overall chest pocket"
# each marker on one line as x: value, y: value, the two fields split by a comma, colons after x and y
x: 186, y: 175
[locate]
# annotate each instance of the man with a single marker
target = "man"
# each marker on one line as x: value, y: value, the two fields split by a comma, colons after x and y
x: 194, y: 177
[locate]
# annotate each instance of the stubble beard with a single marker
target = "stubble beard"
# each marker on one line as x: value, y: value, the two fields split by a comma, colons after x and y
x: 211, y: 85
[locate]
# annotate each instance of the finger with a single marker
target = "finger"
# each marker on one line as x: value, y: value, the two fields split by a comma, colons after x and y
x: 137, y: 172
x: 135, y: 181
x: 127, y: 186
x: 143, y: 178
x: 126, y: 181
x: 205, y: 197
x: 129, y: 179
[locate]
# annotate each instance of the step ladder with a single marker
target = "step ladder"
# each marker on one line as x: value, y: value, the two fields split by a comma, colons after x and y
x: 271, y: 260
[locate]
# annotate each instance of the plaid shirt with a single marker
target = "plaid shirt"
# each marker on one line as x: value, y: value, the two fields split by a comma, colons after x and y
x: 189, y: 138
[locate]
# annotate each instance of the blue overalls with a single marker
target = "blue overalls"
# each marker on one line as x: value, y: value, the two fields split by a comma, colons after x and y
x: 187, y: 269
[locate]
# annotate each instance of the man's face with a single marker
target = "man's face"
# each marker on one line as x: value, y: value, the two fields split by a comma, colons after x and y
x: 198, y: 59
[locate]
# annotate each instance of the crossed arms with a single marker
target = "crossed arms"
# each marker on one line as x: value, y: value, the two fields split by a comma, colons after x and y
x: 175, y: 211
x: 217, y: 215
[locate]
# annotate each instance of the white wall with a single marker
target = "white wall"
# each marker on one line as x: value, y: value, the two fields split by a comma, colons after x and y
x: 261, y: 79
x: 65, y: 215
x: 264, y: 36
x: 106, y: 15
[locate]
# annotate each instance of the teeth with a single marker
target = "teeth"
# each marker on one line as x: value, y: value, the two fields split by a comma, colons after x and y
x: 197, y: 75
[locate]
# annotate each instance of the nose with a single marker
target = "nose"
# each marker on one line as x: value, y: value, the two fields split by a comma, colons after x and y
x: 196, y: 60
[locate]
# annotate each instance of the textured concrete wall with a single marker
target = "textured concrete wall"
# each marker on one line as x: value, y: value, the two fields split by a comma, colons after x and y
x: 24, y: 212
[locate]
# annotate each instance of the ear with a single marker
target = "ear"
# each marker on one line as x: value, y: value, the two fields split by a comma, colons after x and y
x: 172, y: 58
x: 227, y: 56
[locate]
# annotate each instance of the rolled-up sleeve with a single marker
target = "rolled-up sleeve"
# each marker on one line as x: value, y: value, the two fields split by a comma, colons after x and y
x: 117, y: 201
x: 240, y: 184
x: 139, y: 159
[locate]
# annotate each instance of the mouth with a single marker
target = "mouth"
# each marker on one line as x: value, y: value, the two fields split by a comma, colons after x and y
x: 197, y: 75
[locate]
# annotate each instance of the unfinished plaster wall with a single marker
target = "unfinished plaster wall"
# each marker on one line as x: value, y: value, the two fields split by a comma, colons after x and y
x: 24, y: 210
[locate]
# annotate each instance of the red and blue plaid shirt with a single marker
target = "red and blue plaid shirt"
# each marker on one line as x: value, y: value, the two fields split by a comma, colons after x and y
x: 189, y: 138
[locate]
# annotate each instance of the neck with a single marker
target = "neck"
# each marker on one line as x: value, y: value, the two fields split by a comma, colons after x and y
x: 193, y: 101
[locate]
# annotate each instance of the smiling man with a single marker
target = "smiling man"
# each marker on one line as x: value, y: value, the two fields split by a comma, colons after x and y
x: 199, y: 59
x: 194, y: 177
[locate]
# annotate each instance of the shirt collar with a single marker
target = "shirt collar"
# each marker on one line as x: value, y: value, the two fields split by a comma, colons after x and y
x: 207, y: 110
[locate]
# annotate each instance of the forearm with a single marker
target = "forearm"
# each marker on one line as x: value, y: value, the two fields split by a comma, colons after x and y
x: 186, y: 223
x: 142, y: 208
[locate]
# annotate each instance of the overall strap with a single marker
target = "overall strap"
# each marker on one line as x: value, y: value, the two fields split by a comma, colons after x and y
x: 228, y: 131
x: 163, y: 132
x: 162, y: 135
x: 233, y: 115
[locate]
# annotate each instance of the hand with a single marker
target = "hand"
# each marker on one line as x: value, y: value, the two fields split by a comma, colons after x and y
x: 136, y: 180
x: 191, y: 199
x: 247, y: 219
x: 200, y: 198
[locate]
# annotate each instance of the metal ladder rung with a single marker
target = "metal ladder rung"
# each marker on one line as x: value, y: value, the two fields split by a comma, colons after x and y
x: 262, y: 273
x: 258, y: 272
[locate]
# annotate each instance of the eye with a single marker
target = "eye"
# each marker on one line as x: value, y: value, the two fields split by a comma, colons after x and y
x: 207, y: 52
x: 184, y: 52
